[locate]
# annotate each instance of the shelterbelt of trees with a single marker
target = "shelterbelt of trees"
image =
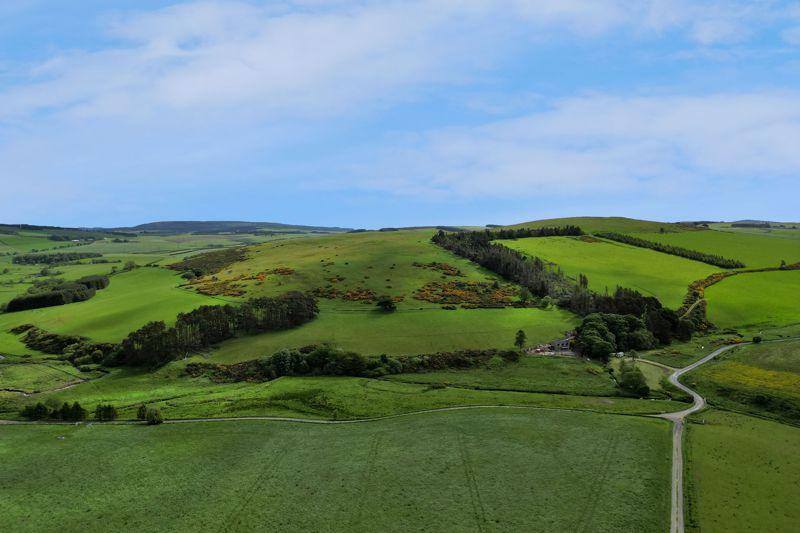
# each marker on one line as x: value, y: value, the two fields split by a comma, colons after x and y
x: 710, y: 259
x: 156, y: 344
x: 57, y: 292
x: 546, y: 280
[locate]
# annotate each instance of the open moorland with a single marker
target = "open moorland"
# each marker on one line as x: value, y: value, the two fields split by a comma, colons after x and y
x: 186, y: 322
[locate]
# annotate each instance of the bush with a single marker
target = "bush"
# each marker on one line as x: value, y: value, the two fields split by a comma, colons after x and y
x: 105, y: 413
x: 153, y: 417
x: 632, y: 380
x: 756, y: 340
x: 141, y: 413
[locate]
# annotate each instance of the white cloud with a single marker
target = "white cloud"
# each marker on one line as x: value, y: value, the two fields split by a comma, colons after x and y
x: 321, y: 58
x: 602, y: 143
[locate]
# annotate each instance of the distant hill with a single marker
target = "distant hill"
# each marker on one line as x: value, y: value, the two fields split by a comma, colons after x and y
x: 225, y: 226
x: 616, y: 224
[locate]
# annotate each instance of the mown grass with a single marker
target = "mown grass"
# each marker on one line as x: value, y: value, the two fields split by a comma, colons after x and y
x: 609, y: 264
x: 757, y: 301
x: 561, y: 375
x: 743, y: 474
x: 763, y: 379
x: 476, y: 470
x: 754, y: 250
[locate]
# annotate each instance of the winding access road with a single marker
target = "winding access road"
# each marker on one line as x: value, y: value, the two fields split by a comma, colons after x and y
x: 676, y: 519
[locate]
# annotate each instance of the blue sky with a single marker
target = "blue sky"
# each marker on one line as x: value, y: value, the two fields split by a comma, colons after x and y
x: 371, y: 114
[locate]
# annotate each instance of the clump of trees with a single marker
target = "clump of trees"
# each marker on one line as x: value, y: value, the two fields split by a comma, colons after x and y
x: 711, y: 259
x: 67, y: 412
x: 53, y: 258
x: 77, y: 350
x: 329, y: 361
x: 54, y: 292
x: 601, y: 334
x: 632, y: 380
x: 105, y: 412
x: 155, y: 344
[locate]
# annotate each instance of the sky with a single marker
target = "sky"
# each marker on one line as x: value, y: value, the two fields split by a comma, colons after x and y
x: 375, y: 114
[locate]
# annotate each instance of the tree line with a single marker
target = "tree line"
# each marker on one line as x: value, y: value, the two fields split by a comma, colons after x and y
x: 329, y: 361
x: 155, y: 344
x: 52, y: 259
x: 57, y: 292
x: 534, y: 274
x: 711, y: 259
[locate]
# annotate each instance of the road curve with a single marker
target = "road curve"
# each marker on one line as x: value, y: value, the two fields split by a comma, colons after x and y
x: 676, y: 518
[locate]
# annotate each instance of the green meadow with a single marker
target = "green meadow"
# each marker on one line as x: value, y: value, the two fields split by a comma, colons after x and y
x: 755, y: 301
x: 131, y: 300
x: 754, y: 250
x: 610, y: 264
x: 742, y: 474
x: 475, y: 470
x: 404, y: 332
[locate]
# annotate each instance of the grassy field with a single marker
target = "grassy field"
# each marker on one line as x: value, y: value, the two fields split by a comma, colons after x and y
x: 404, y: 332
x: 39, y: 376
x: 180, y: 396
x: 743, y: 474
x: 381, y: 262
x: 560, y: 375
x: 610, y: 264
x: 131, y: 300
x: 616, y: 224
x: 476, y: 470
x: 752, y: 302
x: 680, y: 354
x: 754, y: 250
x: 761, y: 378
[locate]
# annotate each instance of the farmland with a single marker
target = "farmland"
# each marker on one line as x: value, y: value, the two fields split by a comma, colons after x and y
x: 755, y: 250
x: 755, y: 301
x: 475, y: 463
x: 473, y: 472
x: 610, y: 264
x: 743, y: 474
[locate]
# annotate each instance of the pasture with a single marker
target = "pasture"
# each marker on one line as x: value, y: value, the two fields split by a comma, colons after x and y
x: 470, y: 470
x: 755, y: 301
x: 754, y: 250
x: 610, y: 264
x: 179, y: 396
x: 404, y: 332
x: 130, y: 301
x: 742, y: 474
x: 533, y: 373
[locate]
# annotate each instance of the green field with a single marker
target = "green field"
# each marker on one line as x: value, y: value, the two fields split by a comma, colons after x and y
x: 130, y: 301
x: 756, y: 301
x: 615, y: 224
x: 476, y: 470
x: 754, y: 250
x: 39, y: 376
x: 760, y: 378
x: 743, y: 474
x: 534, y: 373
x: 610, y: 264
x: 404, y: 332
